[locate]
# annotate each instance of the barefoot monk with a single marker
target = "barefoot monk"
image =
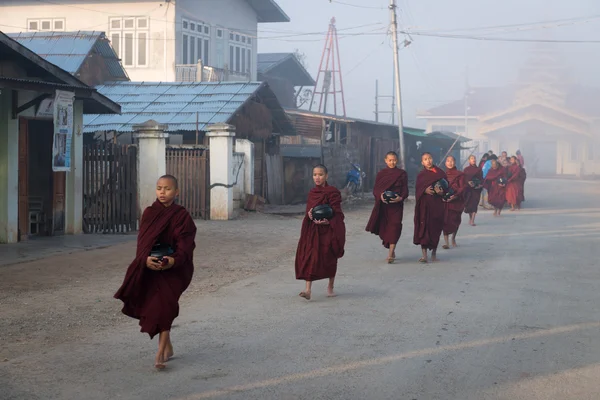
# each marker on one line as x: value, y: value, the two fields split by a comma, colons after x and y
x: 387, y: 214
x: 455, y: 204
x: 429, y: 209
x: 322, y: 240
x: 153, y: 284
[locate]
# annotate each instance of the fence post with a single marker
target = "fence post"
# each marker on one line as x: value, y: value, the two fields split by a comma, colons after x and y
x: 151, y: 155
x: 221, y: 138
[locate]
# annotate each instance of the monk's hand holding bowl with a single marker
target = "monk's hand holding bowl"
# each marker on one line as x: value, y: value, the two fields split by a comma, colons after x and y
x: 310, y: 216
x: 170, y: 261
x: 396, y: 199
x: 321, y: 222
x: 471, y: 184
x: 430, y: 191
x: 383, y: 198
x: 153, y: 263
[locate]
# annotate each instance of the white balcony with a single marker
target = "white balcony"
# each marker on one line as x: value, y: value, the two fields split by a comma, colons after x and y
x: 202, y: 73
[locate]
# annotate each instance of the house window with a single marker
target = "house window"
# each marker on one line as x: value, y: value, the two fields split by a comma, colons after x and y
x: 240, y: 53
x: 129, y: 37
x: 195, y: 42
x: 46, y: 24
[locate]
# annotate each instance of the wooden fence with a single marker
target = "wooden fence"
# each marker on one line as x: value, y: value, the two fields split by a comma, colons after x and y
x: 190, y: 165
x: 109, y: 188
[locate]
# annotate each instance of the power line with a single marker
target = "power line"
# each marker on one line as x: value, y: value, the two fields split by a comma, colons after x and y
x: 499, y: 39
x: 357, y: 5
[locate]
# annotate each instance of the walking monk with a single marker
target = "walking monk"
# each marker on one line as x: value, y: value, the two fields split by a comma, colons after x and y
x: 496, y: 189
x: 474, y: 179
x: 152, y: 287
x: 321, y: 241
x: 513, y: 187
x: 386, y: 218
x: 455, y: 204
x: 429, y: 209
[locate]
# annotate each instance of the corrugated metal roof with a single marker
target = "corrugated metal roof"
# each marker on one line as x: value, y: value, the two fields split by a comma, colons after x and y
x: 68, y: 50
x: 173, y: 103
x: 266, y: 61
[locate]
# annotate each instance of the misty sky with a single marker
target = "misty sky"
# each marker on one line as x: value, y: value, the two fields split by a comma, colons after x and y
x: 432, y: 69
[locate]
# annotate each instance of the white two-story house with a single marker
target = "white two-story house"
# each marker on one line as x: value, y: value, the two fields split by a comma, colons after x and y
x: 161, y: 40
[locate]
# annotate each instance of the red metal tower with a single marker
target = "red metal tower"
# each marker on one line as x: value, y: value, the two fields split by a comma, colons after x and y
x: 331, y: 75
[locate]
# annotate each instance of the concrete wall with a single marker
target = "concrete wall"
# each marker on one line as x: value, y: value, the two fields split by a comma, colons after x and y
x: 239, y: 173
x: 95, y: 16
x: 9, y: 185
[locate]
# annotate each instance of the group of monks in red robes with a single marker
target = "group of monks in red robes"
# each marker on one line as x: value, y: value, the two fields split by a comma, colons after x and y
x: 505, y: 185
x: 439, y: 210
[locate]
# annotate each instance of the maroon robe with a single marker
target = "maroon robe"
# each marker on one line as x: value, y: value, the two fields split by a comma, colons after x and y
x: 429, y: 210
x: 472, y: 196
x: 153, y: 296
x: 320, y: 246
x: 386, y: 219
x: 496, y: 193
x: 513, y: 188
x: 454, y: 208
x: 523, y: 178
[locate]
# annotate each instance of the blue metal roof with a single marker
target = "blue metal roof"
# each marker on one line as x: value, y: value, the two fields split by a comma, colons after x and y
x: 68, y: 50
x: 173, y: 103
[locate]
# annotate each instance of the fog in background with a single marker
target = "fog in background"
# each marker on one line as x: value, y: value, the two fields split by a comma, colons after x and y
x: 433, y: 68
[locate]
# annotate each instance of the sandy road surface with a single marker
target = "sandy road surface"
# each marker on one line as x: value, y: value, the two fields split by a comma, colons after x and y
x: 511, y: 314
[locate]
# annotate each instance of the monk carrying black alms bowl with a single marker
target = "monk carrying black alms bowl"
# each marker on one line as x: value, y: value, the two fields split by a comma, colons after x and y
x: 162, y: 269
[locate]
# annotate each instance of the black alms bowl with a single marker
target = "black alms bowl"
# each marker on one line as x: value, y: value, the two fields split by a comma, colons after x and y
x: 502, y: 181
x: 322, y: 211
x: 442, y: 184
x: 389, y: 195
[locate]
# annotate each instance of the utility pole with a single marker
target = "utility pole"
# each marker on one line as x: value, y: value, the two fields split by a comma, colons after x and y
x: 397, y: 78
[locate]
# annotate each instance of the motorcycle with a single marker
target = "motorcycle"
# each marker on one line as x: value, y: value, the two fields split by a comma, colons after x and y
x: 354, y: 179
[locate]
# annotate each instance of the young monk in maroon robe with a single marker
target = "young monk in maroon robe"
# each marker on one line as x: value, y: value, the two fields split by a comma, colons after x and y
x: 429, y: 209
x: 472, y: 192
x: 386, y: 217
x: 522, y: 179
x: 455, y: 204
x: 513, y: 188
x: 496, y: 191
x: 321, y: 241
x: 152, y: 287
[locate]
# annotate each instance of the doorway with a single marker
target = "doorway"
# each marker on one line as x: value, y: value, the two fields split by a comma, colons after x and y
x: 41, y: 191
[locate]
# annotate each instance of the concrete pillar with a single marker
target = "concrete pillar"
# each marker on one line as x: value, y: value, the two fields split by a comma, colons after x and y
x: 74, y: 178
x: 9, y: 170
x: 247, y: 147
x: 221, y: 138
x: 152, y: 160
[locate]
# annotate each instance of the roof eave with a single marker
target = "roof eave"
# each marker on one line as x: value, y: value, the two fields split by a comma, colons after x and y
x: 271, y: 13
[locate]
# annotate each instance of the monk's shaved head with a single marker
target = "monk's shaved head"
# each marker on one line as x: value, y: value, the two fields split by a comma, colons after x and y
x: 172, y: 179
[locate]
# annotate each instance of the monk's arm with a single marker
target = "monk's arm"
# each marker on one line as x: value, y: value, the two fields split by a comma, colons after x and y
x: 185, y: 242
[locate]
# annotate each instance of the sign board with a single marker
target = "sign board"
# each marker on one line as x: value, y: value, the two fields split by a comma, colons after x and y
x: 63, y: 131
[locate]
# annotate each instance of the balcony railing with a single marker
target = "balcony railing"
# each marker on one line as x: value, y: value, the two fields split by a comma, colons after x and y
x: 201, y: 73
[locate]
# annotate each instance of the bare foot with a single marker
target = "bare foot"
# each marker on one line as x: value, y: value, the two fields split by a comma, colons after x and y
x: 434, y: 259
x: 306, y: 295
x: 169, y: 353
x: 472, y: 224
x: 423, y: 260
x: 454, y: 244
x: 159, y: 362
x: 330, y: 292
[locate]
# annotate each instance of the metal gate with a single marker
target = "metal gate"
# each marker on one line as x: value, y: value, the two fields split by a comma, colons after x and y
x: 190, y: 165
x: 110, y: 188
